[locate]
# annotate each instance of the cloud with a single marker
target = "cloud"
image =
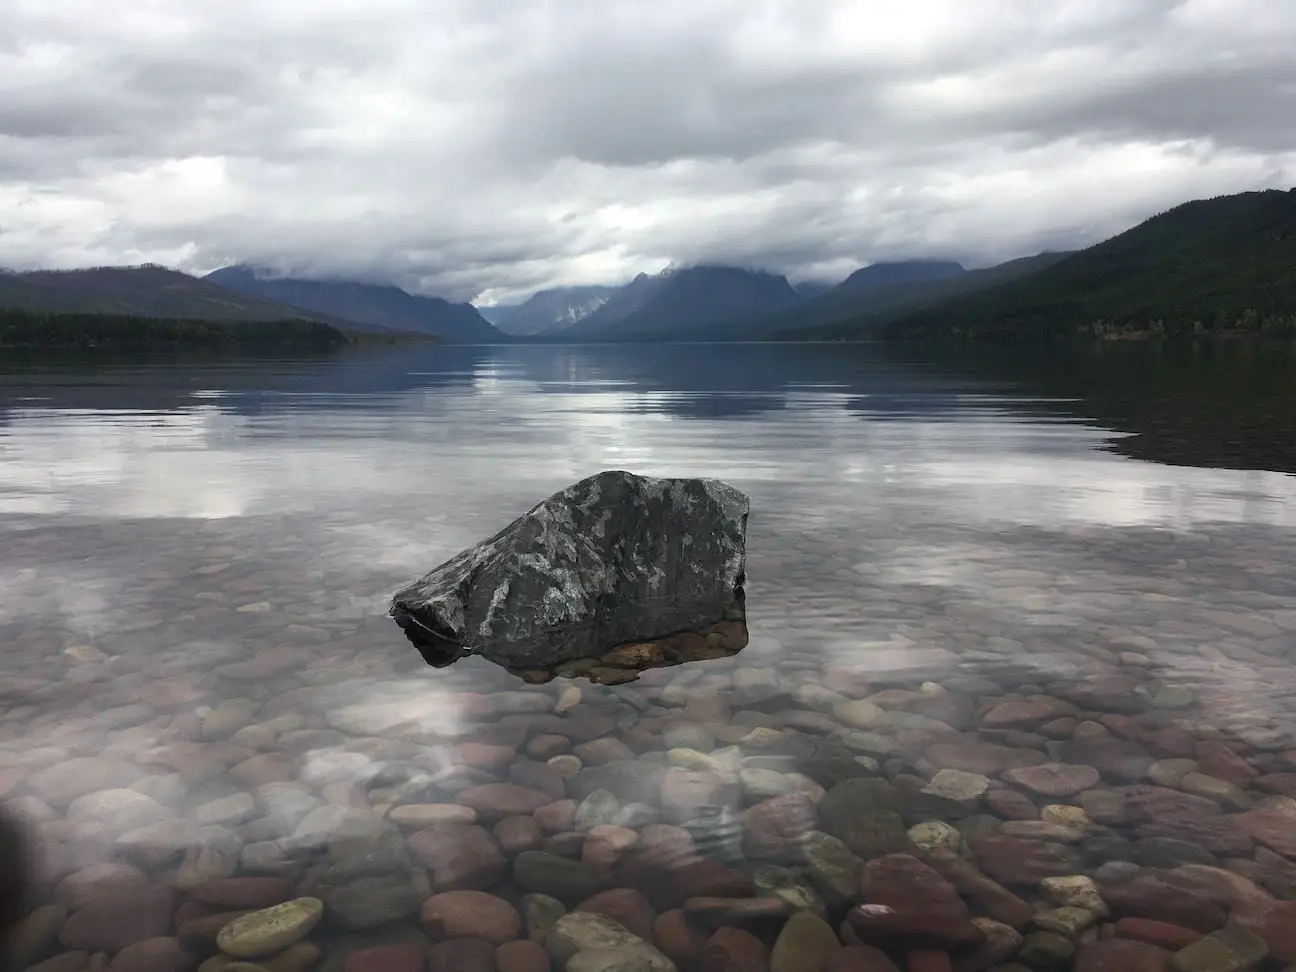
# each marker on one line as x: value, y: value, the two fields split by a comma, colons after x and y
x: 488, y: 148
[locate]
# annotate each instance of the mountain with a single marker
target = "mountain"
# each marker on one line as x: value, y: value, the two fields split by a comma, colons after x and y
x: 382, y: 305
x: 874, y: 300
x: 683, y: 303
x: 496, y: 312
x: 880, y: 275
x: 145, y: 291
x: 555, y: 310
x: 1221, y: 264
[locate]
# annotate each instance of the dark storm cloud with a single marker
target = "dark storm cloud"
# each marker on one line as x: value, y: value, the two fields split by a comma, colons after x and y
x: 490, y: 148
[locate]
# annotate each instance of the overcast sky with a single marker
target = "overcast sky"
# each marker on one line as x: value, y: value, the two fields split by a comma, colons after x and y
x: 485, y: 148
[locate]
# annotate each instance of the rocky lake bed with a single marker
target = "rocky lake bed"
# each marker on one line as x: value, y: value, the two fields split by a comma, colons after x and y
x: 1094, y: 768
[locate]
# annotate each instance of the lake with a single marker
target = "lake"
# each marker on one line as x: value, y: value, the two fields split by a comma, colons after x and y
x: 1022, y: 629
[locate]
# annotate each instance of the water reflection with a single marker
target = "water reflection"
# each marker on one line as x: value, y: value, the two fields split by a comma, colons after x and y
x: 618, y: 663
x: 997, y: 677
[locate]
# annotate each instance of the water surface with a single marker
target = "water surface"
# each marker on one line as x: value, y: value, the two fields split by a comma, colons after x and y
x: 954, y: 565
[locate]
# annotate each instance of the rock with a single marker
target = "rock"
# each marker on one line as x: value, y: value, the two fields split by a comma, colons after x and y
x: 925, y: 910
x: 98, y: 880
x: 1022, y: 714
x: 1077, y: 891
x: 370, y: 902
x: 1046, y: 951
x: 459, y: 856
x: 32, y: 935
x: 157, y: 845
x: 737, y: 911
x: 246, y: 893
x: 387, y: 958
x: 604, y: 846
x: 1054, y: 779
x: 1161, y: 812
x: 1018, y: 861
x: 518, y: 956
x: 1154, y: 897
x: 1227, y: 950
x: 680, y: 938
x: 789, y: 887
x: 109, y: 924
x: 613, y: 559
x: 955, y: 790
x: 470, y: 914
x: 1001, y: 943
x: 832, y: 867
x: 1159, y: 933
x: 416, y: 816
x: 988, y: 759
x: 1275, y: 829
x: 270, y: 930
x: 560, y: 877
x: 806, y: 941
x: 735, y: 950
x: 493, y: 801
x: 153, y: 955
x: 1274, y: 921
x: 861, y: 714
x: 988, y: 896
x: 864, y: 813
x: 61, y: 783
x: 198, y: 935
x: 625, y: 906
x: 860, y: 958
x: 519, y: 833
x: 928, y: 960
x: 461, y: 955
x: 1121, y: 955
x: 1167, y: 852
x: 120, y: 810
x: 582, y: 931
x: 1067, y: 920
x: 540, y: 913
x: 608, y: 960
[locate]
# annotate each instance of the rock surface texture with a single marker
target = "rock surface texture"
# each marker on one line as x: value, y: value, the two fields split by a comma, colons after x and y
x: 615, y: 558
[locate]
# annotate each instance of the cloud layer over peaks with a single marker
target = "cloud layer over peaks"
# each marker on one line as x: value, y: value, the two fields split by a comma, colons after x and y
x: 486, y: 148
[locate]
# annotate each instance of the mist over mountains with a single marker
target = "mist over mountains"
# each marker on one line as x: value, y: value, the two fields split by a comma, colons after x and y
x: 1217, y: 264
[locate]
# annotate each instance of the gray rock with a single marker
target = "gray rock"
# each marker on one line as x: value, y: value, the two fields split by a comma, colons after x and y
x: 373, y: 901
x: 600, y: 807
x: 612, y: 559
x: 832, y: 867
x: 559, y: 877
x: 864, y: 813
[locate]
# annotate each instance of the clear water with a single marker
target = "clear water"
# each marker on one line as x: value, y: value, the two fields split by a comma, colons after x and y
x: 198, y: 680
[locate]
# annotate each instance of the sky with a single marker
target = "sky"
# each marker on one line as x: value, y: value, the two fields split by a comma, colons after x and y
x: 484, y: 149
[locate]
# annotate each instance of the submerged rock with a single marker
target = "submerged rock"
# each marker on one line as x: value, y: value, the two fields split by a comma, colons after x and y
x: 612, y: 560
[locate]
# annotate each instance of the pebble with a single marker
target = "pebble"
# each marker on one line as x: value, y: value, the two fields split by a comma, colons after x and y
x: 470, y: 914
x: 806, y: 941
x: 582, y: 931
x: 270, y: 930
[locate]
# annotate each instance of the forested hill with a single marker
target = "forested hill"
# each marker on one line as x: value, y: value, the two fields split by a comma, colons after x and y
x: 50, y: 330
x: 143, y: 291
x: 1211, y: 266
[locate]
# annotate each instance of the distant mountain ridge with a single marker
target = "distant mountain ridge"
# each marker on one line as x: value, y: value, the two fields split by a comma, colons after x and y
x: 683, y: 302
x: 869, y: 304
x: 381, y: 305
x: 144, y: 291
x: 554, y: 310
